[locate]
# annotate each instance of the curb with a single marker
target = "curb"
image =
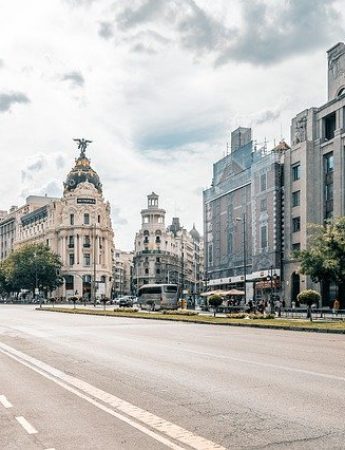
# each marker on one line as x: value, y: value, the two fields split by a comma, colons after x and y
x: 184, y: 320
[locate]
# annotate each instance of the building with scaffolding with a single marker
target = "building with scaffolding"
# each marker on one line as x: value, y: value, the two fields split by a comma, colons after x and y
x: 243, y: 219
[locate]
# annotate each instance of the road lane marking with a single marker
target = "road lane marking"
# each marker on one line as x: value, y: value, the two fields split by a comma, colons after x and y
x: 270, y: 365
x: 5, y: 402
x: 90, y: 393
x: 26, y: 425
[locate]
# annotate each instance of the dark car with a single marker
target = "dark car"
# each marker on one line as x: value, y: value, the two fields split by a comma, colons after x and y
x: 125, y: 302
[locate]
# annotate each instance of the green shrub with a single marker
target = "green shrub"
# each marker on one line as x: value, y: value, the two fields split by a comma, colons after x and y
x: 215, y: 301
x: 308, y: 297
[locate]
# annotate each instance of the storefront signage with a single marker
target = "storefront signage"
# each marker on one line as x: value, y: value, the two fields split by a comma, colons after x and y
x: 87, y: 201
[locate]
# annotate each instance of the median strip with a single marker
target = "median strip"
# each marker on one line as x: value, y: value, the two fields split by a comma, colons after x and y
x: 336, y: 327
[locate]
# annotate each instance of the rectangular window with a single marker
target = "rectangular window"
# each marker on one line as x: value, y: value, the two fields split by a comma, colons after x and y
x: 329, y: 124
x: 86, y: 219
x: 328, y: 162
x: 87, y: 259
x: 71, y: 259
x: 71, y: 219
x: 210, y: 254
x: 263, y: 205
x: 70, y: 241
x: 69, y: 285
x: 263, y: 182
x: 264, y: 240
x: 296, y: 172
x: 329, y: 192
x: 296, y: 224
x: 99, y: 219
x: 296, y: 198
x: 87, y: 241
x: 296, y: 247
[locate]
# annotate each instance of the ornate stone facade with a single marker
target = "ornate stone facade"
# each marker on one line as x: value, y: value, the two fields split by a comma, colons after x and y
x: 166, y: 254
x: 77, y: 227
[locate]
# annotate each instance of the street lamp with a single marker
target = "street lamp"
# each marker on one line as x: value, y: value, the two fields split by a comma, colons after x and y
x: 272, y: 276
x: 36, y: 280
x: 243, y: 220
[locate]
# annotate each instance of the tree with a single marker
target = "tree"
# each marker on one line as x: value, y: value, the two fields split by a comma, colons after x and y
x: 215, y: 301
x: 324, y: 259
x: 5, y: 286
x: 33, y: 266
x: 308, y: 297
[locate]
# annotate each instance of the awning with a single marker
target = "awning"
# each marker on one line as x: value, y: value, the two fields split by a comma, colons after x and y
x: 267, y: 284
x: 234, y: 292
x: 217, y: 292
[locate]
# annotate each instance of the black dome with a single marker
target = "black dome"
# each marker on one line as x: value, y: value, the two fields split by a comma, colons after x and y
x: 81, y: 173
x: 195, y: 233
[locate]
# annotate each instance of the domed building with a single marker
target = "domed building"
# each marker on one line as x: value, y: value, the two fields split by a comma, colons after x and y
x: 82, y: 172
x: 78, y: 228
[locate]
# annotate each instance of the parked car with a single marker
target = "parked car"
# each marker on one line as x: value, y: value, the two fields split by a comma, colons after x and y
x: 126, y: 301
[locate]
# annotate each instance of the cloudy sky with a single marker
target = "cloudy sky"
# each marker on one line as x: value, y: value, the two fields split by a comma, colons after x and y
x: 157, y: 85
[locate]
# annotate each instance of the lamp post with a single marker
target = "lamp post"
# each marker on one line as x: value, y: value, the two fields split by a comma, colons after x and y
x: 36, y: 280
x: 94, y: 267
x: 243, y: 220
x: 272, y: 277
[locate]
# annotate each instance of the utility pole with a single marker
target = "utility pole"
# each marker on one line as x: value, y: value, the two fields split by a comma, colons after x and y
x: 244, y: 257
x: 243, y: 220
x: 94, y: 267
x: 182, y: 268
x: 36, y: 280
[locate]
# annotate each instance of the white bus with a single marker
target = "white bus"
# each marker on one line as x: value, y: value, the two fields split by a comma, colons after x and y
x: 158, y: 296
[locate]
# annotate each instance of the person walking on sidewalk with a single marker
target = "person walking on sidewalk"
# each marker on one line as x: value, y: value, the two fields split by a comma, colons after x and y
x: 336, y: 306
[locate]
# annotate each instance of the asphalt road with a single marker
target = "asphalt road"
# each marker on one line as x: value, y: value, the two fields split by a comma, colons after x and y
x: 87, y: 382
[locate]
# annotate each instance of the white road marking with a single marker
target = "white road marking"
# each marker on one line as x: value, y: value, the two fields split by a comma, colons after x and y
x: 89, y: 393
x: 272, y: 366
x: 26, y: 425
x: 5, y: 402
x: 251, y: 362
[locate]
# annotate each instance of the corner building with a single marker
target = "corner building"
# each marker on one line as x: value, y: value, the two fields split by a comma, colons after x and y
x: 314, y: 174
x: 166, y: 254
x: 77, y: 227
x: 243, y: 219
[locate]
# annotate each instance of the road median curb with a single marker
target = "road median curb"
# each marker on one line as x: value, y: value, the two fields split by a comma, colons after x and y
x: 191, y: 319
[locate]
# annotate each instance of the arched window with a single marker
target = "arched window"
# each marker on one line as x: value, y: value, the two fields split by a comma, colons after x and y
x: 341, y: 92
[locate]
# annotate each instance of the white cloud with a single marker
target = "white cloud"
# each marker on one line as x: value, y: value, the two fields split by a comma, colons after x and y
x: 157, y: 109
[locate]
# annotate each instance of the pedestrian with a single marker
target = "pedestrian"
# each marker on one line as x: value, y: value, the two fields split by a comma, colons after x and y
x: 336, y: 306
x: 250, y: 306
